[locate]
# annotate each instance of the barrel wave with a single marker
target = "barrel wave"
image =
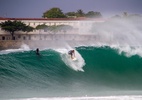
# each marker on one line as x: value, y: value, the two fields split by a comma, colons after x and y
x: 101, y: 71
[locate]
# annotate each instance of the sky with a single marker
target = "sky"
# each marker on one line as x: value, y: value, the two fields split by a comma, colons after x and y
x: 36, y: 8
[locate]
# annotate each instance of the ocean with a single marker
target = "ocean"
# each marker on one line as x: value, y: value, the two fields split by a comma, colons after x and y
x: 108, y: 66
x: 100, y: 73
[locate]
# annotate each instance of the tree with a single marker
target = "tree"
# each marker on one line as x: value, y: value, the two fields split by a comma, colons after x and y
x: 12, y: 26
x: 56, y: 28
x: 70, y: 14
x: 27, y: 29
x: 54, y: 13
x: 92, y: 14
x: 80, y: 13
x: 42, y: 27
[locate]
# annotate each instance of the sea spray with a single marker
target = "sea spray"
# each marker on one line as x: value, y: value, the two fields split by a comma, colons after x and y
x: 24, y: 47
x: 125, y: 49
x: 122, y: 31
x: 76, y: 65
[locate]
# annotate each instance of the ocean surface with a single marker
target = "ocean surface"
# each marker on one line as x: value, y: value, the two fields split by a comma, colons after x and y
x: 100, y: 73
x: 108, y: 66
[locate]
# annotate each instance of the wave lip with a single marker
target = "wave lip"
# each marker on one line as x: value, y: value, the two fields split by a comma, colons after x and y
x: 76, y: 65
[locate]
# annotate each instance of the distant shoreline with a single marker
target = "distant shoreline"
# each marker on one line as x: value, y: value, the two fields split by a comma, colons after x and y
x: 41, y: 44
x: 45, y: 41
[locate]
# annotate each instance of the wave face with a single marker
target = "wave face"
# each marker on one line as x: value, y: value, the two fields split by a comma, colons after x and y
x: 98, y: 71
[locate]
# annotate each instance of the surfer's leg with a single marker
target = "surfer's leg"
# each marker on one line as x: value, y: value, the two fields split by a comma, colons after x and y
x: 71, y: 56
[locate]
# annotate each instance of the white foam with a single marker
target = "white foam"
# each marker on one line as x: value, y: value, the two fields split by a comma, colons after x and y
x: 123, y: 33
x: 127, y: 49
x: 76, y: 65
x: 23, y: 47
x: 131, y: 97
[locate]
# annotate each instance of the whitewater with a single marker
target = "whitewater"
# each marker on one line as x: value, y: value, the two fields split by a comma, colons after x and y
x: 107, y: 68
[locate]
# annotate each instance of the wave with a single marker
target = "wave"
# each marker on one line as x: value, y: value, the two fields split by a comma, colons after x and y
x: 76, y: 65
x: 100, y: 70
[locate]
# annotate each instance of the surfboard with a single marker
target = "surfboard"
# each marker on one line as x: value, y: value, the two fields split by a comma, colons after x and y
x: 74, y: 59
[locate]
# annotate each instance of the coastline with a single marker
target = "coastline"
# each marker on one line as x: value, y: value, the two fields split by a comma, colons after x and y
x: 42, y: 44
x: 47, y: 41
x: 10, y: 44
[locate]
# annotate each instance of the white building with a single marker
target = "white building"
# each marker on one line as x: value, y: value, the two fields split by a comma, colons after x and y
x: 80, y: 24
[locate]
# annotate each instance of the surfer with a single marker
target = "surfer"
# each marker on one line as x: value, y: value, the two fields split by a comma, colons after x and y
x: 71, y: 53
x: 37, y: 51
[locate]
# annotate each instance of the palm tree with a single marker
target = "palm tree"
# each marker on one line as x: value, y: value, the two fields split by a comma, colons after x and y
x: 80, y: 13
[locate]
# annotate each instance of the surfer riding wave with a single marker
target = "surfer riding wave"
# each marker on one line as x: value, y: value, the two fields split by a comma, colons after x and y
x: 72, y: 54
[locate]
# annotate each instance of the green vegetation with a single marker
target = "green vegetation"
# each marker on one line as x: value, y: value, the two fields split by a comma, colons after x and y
x: 12, y: 26
x: 70, y: 14
x: 43, y: 26
x: 92, y: 14
x: 80, y: 13
x: 57, y: 13
x: 54, y: 13
x: 54, y: 28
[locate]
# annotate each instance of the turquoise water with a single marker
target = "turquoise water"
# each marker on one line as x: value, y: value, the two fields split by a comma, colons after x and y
x: 98, y: 71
